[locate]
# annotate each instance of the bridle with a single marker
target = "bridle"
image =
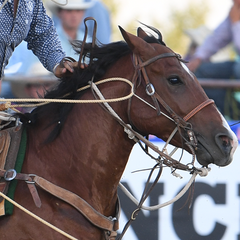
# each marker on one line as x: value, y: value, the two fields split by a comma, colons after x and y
x: 139, y: 66
x: 140, y: 70
x: 181, y: 123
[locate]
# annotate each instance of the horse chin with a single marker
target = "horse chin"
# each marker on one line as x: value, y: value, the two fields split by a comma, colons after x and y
x: 205, y: 158
x: 207, y: 155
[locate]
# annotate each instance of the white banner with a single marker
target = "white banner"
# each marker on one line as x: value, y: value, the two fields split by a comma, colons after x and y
x: 214, y: 212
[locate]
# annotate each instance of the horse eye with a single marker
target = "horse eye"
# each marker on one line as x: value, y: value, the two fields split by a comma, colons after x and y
x: 174, y: 80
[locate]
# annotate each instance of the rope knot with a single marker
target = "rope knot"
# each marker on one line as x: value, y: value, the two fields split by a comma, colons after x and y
x: 130, y: 134
x: 203, y: 172
x: 5, y: 106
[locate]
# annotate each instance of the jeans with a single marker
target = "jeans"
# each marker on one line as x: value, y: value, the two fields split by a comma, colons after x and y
x: 219, y: 70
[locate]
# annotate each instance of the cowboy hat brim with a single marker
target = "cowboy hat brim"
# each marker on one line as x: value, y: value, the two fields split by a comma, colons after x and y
x: 69, y: 5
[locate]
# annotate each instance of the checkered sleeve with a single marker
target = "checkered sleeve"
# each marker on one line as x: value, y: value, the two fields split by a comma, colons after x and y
x: 42, y: 38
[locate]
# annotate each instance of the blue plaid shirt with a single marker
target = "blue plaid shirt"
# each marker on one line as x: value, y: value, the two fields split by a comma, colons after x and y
x: 33, y: 25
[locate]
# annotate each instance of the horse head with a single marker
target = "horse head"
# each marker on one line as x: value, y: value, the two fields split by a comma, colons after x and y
x: 177, y: 100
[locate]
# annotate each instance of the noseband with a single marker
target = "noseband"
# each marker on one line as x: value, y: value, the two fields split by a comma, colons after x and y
x: 179, y: 121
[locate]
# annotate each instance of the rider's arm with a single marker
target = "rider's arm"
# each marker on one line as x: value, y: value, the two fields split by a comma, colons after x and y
x: 42, y: 38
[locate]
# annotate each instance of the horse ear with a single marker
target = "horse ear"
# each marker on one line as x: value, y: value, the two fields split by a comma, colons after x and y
x: 136, y: 44
x: 142, y: 34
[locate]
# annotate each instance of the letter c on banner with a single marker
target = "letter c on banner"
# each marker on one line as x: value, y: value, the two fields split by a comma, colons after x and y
x: 182, y: 217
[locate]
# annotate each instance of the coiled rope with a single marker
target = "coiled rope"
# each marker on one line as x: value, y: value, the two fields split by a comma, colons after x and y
x: 40, y: 102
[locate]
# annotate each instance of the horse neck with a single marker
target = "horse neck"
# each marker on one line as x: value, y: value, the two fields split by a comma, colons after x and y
x: 89, y: 155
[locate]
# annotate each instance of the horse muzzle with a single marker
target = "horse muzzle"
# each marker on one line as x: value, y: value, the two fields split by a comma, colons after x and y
x: 219, y: 151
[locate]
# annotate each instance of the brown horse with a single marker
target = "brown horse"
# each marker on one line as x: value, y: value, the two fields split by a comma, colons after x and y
x: 83, y: 149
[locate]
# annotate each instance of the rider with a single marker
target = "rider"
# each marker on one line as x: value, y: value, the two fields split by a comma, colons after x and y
x: 27, y: 20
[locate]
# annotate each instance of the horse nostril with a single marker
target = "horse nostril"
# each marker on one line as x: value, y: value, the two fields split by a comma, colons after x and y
x: 224, y: 143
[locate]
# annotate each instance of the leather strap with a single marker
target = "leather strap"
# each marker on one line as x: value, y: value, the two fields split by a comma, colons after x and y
x: 163, y: 55
x: 85, y: 38
x: 139, y: 65
x: 198, y: 108
x: 8, y: 175
x: 180, y: 121
x: 2, y: 186
x: 15, y: 7
x: 34, y: 193
x: 108, y: 224
x: 80, y: 204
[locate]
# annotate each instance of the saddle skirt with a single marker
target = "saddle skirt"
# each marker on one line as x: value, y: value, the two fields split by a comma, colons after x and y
x: 10, y: 138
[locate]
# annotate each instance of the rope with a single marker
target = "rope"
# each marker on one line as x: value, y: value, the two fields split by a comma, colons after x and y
x: 135, y: 95
x: 46, y: 101
x: 202, y: 172
x: 97, y: 91
x: 37, y: 218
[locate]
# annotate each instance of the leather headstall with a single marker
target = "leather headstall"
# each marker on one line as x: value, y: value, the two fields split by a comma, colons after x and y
x: 140, y: 70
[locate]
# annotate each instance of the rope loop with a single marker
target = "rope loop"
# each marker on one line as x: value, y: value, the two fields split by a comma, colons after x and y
x: 40, y: 102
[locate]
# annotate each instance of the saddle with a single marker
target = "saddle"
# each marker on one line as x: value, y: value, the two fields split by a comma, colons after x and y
x: 10, y: 137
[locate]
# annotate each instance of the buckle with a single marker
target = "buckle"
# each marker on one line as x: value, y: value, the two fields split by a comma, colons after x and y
x: 150, y: 89
x: 12, y: 173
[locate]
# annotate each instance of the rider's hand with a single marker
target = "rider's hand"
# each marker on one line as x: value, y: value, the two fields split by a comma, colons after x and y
x: 63, y: 67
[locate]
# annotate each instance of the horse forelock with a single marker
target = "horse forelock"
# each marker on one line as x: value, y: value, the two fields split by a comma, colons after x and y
x: 152, y: 39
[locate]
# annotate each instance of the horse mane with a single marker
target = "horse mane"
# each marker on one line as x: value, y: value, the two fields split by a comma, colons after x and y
x: 103, y: 56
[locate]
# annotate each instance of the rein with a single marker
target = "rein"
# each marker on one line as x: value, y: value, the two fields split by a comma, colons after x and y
x: 180, y: 122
